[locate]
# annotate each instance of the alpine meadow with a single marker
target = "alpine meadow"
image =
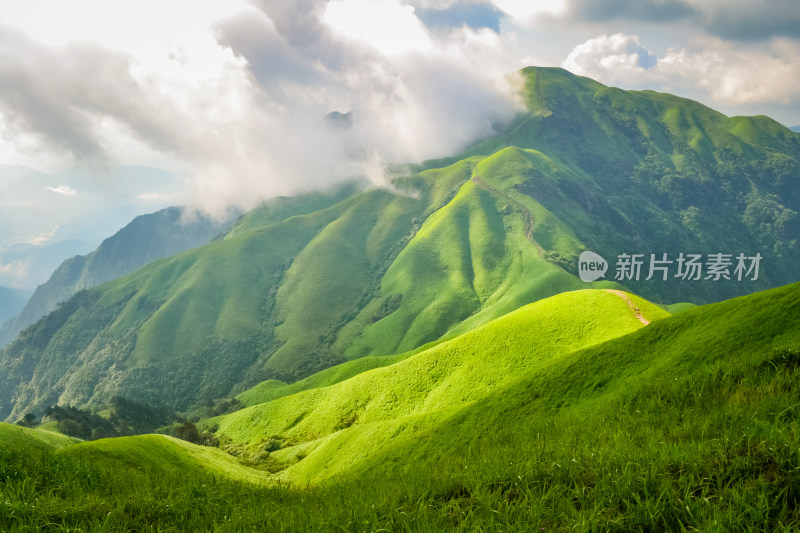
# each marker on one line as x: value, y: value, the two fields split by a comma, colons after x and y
x: 424, y: 355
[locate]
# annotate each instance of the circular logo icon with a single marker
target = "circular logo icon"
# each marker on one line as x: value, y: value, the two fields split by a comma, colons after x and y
x: 591, y: 266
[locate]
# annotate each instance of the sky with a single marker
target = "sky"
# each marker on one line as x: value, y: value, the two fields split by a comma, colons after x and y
x: 231, y: 96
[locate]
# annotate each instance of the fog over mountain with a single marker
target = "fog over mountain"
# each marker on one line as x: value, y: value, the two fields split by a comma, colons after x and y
x: 232, y: 102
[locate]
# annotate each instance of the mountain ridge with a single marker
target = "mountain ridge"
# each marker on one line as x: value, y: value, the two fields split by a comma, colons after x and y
x: 146, y: 238
x: 303, y: 284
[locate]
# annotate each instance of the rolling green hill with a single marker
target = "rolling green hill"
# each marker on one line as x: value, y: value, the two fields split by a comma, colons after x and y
x: 686, y: 378
x: 160, y: 453
x: 25, y: 438
x: 306, y: 283
x: 687, y: 423
x: 446, y: 376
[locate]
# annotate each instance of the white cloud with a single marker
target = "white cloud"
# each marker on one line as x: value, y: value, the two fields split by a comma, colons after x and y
x: 230, y: 97
x: 41, y: 238
x: 387, y: 25
x: 156, y: 197
x: 738, y: 76
x: 15, y: 269
x: 616, y: 58
x: 235, y: 107
x: 728, y: 74
x: 528, y: 12
x: 63, y: 190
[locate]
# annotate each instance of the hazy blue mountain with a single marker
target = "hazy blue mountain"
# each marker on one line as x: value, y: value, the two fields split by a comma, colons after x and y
x: 39, y: 210
x: 11, y: 302
x: 146, y: 238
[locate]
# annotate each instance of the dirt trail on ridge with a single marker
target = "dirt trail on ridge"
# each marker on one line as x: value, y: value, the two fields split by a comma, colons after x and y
x: 632, y: 306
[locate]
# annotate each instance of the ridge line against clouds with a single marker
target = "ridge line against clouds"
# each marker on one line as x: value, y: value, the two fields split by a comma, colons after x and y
x: 232, y: 98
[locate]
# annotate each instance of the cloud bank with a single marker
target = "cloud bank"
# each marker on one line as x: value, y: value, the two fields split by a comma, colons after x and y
x: 728, y: 74
x: 239, y: 104
x: 231, y: 96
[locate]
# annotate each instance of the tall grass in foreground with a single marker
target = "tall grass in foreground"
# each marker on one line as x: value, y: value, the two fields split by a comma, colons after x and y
x: 716, y: 453
x: 689, y: 424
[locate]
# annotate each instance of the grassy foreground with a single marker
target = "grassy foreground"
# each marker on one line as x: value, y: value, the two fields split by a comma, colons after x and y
x: 687, y: 424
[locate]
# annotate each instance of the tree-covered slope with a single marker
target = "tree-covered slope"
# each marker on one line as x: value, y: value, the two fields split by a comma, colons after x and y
x: 303, y: 284
x: 146, y: 238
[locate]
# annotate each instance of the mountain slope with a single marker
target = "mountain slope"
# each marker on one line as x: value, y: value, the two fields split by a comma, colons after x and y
x: 448, y: 375
x: 24, y: 438
x: 693, y: 378
x: 300, y: 285
x: 146, y: 238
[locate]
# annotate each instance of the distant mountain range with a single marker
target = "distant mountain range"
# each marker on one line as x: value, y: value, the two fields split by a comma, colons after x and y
x: 146, y: 238
x: 301, y: 284
x: 795, y: 128
x: 47, y: 218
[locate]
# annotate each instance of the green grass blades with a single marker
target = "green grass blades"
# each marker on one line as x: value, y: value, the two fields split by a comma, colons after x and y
x: 688, y: 423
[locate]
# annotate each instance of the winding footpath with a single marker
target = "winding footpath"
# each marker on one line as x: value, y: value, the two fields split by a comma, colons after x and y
x: 632, y: 306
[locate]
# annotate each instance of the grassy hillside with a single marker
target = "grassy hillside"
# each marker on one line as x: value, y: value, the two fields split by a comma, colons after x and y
x: 715, y: 376
x: 160, y: 453
x: 303, y: 284
x: 685, y: 424
x: 445, y: 376
x: 19, y: 437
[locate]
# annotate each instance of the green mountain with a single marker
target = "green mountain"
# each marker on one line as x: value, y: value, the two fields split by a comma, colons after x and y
x: 302, y: 284
x: 146, y: 238
x: 569, y: 413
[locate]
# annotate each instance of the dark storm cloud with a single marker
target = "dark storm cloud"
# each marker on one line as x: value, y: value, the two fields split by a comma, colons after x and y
x: 751, y: 20
x: 638, y: 10
x: 755, y: 20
